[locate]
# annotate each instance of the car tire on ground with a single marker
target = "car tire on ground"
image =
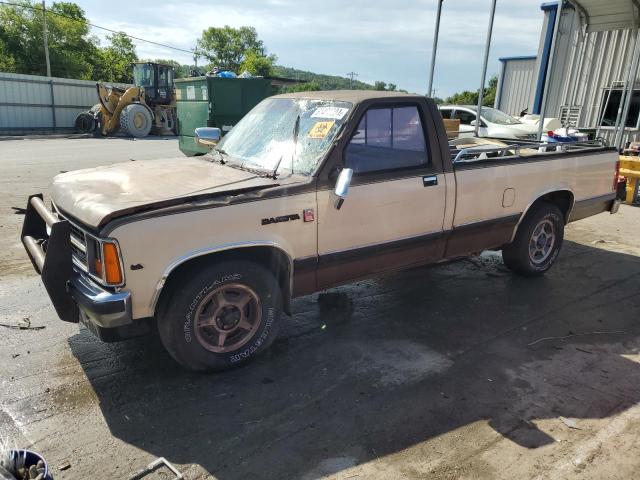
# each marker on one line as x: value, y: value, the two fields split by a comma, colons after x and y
x: 221, y: 317
x: 537, y: 242
x: 136, y: 120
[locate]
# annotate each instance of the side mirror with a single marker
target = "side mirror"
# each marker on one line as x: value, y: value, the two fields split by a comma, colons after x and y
x: 473, y: 123
x: 207, y: 136
x: 342, y: 187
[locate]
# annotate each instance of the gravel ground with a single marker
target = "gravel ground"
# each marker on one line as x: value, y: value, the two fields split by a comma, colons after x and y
x: 457, y: 371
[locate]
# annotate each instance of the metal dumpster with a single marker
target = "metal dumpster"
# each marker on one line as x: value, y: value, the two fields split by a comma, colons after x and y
x: 214, y: 102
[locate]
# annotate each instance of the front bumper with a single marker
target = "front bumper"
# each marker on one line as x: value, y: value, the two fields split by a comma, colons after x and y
x: 74, y: 296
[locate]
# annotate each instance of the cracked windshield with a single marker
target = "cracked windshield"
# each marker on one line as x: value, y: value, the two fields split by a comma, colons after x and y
x: 285, y: 134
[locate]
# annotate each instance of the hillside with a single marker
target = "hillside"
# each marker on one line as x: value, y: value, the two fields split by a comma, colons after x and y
x: 324, y: 82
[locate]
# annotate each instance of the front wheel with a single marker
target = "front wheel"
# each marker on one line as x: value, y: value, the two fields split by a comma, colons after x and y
x: 221, y: 317
x: 537, y: 242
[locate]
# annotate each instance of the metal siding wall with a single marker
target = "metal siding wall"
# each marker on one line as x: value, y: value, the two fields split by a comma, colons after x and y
x: 581, y: 79
x: 26, y: 103
x: 517, y: 85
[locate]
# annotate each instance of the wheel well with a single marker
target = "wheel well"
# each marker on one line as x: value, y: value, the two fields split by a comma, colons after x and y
x: 271, y: 258
x: 563, y: 199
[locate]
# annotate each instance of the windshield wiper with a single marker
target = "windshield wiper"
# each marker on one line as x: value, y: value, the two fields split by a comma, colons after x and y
x: 296, y: 130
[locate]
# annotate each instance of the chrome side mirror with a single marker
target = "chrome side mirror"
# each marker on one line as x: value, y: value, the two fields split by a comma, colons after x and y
x: 342, y: 187
x: 207, y: 136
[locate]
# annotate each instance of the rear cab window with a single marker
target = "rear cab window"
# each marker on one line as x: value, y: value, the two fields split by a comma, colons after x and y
x: 388, y: 138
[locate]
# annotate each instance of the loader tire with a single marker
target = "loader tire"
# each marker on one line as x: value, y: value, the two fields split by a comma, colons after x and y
x: 85, y: 122
x: 136, y: 120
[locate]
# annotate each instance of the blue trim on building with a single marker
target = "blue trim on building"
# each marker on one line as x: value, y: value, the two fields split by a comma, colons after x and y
x: 552, y: 8
x: 521, y: 57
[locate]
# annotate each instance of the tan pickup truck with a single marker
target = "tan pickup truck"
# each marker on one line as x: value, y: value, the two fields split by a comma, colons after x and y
x: 307, y: 192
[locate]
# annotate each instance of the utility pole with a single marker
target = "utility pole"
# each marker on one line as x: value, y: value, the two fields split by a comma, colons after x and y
x: 351, y: 76
x: 487, y: 46
x: 434, y: 48
x: 44, y: 35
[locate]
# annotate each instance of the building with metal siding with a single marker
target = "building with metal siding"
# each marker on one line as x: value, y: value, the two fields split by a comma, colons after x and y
x: 590, y: 68
x: 515, y: 87
x: 35, y: 104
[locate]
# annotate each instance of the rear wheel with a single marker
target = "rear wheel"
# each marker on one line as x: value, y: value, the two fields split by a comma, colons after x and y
x: 136, y: 120
x: 221, y: 317
x: 537, y: 242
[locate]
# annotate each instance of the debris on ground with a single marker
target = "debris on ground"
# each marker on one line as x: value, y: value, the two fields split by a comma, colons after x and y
x: 544, y: 339
x: 19, y: 210
x: 64, y: 466
x: 570, y: 422
x: 25, y: 325
x: 153, y: 466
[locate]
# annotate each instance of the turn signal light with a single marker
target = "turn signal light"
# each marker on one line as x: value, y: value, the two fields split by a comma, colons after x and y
x: 111, y: 264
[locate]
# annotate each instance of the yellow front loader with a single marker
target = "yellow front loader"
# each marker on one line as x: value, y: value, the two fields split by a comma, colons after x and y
x: 148, y: 107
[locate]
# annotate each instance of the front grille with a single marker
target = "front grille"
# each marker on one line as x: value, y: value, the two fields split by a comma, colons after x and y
x: 79, y: 244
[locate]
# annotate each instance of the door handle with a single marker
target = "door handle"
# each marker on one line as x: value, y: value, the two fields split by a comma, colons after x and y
x: 430, y: 181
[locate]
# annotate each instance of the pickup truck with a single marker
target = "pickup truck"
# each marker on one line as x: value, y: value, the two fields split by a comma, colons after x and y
x: 308, y: 191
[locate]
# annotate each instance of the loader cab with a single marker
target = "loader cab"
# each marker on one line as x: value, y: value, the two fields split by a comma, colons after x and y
x: 157, y: 81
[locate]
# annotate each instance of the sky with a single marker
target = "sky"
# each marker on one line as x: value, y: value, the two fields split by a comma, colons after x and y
x: 378, y: 39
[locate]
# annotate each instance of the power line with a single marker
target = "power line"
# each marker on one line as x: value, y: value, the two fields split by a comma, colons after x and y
x: 351, y: 76
x: 79, y: 20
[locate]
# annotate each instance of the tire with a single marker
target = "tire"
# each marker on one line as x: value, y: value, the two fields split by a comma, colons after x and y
x: 530, y: 257
x: 85, y: 122
x: 240, y: 300
x: 136, y: 120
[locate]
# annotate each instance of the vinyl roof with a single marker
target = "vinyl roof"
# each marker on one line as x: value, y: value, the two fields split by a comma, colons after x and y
x: 603, y: 15
x: 354, y: 96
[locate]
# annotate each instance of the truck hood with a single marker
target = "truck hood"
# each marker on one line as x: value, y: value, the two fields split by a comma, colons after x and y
x: 97, y: 195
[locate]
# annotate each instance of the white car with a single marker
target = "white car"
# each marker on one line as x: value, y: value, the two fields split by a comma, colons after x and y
x: 495, y: 124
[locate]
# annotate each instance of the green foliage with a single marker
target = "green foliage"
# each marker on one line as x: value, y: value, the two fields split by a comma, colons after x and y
x: 114, y: 62
x: 227, y: 47
x: 303, y: 87
x: 257, y: 64
x: 71, y: 49
x: 324, y: 82
x: 471, y: 98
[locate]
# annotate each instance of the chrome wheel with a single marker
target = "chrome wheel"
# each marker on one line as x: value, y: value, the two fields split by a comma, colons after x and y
x: 227, y: 318
x: 542, y: 241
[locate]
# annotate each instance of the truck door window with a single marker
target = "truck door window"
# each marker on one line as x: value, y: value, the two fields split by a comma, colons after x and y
x: 387, y: 139
x: 465, y: 117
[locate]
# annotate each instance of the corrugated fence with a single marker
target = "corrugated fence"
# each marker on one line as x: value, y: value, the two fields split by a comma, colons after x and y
x: 34, y: 104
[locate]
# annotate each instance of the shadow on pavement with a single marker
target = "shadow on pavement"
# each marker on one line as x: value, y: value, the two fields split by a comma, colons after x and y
x: 404, y: 359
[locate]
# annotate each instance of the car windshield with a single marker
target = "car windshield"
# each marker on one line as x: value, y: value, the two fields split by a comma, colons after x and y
x: 289, y: 134
x: 492, y: 115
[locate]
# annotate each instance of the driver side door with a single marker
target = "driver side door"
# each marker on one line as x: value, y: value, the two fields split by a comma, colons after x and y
x: 394, y: 213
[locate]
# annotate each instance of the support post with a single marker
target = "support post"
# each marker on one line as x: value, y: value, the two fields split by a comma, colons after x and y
x: 623, y: 110
x: 44, y: 36
x: 434, y: 49
x: 547, y: 80
x: 484, y: 66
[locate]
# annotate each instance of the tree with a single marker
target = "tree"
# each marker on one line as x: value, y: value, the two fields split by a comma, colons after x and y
x: 379, y: 85
x: 471, y: 98
x: 258, y: 64
x: 71, y: 48
x: 228, y: 47
x: 114, y: 61
x: 303, y: 87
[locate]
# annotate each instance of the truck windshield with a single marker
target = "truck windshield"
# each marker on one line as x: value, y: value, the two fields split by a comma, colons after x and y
x: 288, y: 133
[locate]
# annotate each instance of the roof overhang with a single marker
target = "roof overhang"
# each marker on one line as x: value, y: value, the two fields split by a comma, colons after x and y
x: 605, y: 15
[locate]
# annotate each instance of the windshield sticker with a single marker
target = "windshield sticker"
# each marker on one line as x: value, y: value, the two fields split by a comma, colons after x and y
x: 330, y: 112
x: 320, y: 129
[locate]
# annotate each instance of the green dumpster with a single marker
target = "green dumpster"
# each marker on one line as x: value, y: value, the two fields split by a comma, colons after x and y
x: 214, y: 102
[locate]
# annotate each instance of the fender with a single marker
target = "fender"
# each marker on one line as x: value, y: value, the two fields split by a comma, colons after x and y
x: 216, y: 249
x: 538, y: 197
